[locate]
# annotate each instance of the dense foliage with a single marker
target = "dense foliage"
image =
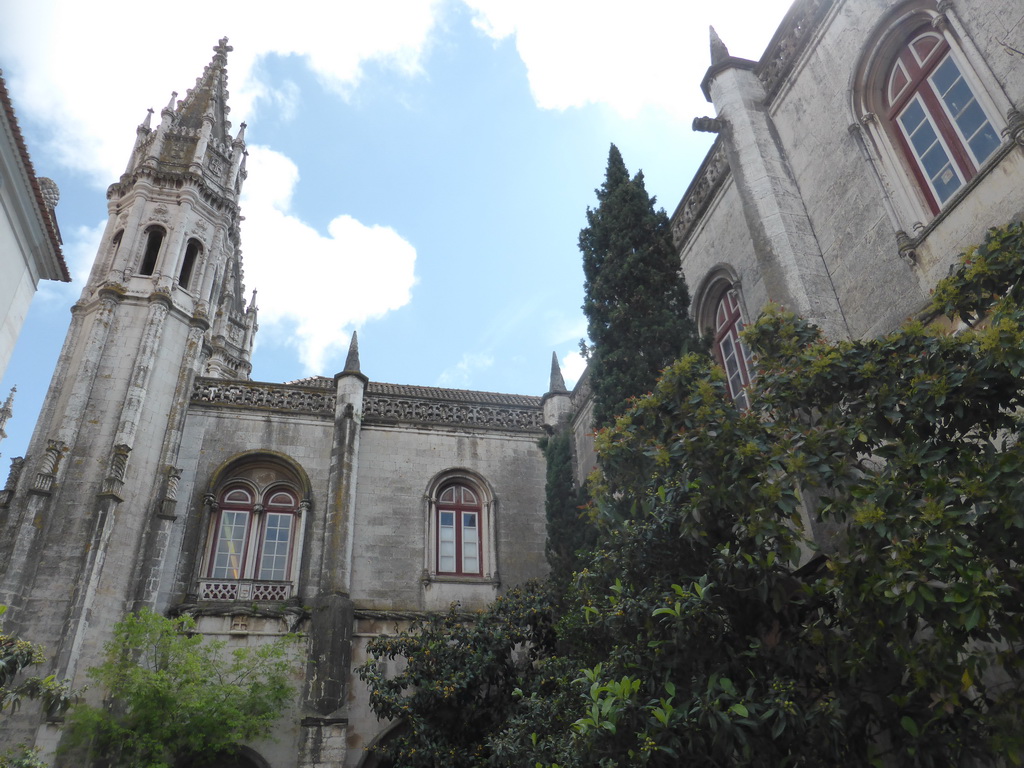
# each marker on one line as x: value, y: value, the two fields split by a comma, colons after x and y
x: 829, y: 578
x: 569, y: 533
x: 17, y: 655
x: 174, y: 698
x: 636, y: 301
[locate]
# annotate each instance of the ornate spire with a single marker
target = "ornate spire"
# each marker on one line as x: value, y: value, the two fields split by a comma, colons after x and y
x: 557, y: 384
x: 719, y: 52
x: 210, y: 95
x: 352, y: 361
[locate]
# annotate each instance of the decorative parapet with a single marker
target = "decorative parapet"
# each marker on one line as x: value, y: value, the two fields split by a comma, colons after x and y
x: 270, y: 397
x: 382, y: 404
x: 705, y: 184
x: 789, y: 42
x: 391, y: 403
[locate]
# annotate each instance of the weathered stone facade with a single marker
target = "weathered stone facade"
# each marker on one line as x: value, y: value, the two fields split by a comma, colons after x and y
x: 158, y: 469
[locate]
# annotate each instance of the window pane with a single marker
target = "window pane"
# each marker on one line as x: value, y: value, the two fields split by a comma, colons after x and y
x: 446, y: 542
x: 227, y: 560
x: 470, y: 544
x: 276, y: 541
x: 984, y: 142
x: 945, y: 75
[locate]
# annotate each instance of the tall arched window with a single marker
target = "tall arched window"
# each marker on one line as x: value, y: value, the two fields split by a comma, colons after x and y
x: 458, y: 531
x: 192, y: 251
x: 254, y: 536
x: 942, y: 127
x: 732, y: 353
x: 154, y: 239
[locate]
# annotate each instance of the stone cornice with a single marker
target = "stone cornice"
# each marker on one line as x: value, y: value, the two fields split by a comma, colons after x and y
x: 382, y: 404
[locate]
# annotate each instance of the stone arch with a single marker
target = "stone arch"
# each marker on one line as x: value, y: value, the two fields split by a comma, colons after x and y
x: 371, y: 758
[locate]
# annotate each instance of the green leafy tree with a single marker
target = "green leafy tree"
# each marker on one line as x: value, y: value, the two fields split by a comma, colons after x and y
x: 457, y: 678
x: 17, y: 655
x: 173, y: 698
x: 831, y: 577
x: 636, y: 301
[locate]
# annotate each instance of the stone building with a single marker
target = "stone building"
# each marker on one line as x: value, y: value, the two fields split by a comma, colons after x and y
x: 872, y: 142
x: 30, y: 246
x: 159, y: 475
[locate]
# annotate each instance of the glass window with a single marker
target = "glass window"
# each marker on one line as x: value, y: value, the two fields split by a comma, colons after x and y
x: 943, y: 128
x: 458, y: 531
x: 731, y: 352
x: 253, y: 540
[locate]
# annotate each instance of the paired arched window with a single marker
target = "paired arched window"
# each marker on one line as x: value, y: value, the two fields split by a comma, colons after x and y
x: 732, y: 354
x: 942, y: 127
x: 254, y: 535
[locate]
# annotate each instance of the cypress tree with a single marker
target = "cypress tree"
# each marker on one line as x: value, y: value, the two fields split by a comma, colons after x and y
x: 636, y: 300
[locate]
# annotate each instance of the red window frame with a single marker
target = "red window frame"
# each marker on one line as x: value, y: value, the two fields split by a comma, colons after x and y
x: 462, y: 503
x: 254, y: 543
x: 732, y: 354
x: 909, y: 89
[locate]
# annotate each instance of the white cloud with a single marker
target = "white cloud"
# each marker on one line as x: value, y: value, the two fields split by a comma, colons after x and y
x: 461, y: 374
x: 320, y: 287
x: 573, y: 366
x: 580, y: 52
x: 92, y: 78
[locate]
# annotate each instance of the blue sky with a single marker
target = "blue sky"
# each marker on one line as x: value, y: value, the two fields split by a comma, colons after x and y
x: 418, y: 170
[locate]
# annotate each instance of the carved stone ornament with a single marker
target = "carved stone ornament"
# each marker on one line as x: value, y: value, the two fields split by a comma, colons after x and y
x: 161, y: 213
x: 114, y: 481
x: 1015, y: 126
x: 17, y: 464
x: 47, y: 474
x: 776, y: 62
x: 698, y: 196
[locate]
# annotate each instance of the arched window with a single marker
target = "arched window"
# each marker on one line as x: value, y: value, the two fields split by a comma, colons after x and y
x: 458, y: 531
x: 254, y: 535
x: 942, y: 127
x: 460, y: 528
x: 154, y: 239
x: 729, y: 349
x: 115, y: 242
x: 192, y: 251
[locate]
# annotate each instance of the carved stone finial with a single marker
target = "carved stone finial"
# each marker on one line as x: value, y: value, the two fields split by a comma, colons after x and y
x: 240, y: 138
x: 147, y: 123
x: 719, y: 52
x: 352, y: 361
x: 6, y: 411
x: 557, y: 382
x: 221, y: 51
x: 169, y: 109
x: 50, y: 192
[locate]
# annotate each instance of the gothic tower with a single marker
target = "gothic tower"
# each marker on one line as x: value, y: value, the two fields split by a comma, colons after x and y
x: 85, y: 519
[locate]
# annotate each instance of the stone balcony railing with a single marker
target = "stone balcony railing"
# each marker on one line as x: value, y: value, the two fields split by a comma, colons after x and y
x: 248, y: 590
